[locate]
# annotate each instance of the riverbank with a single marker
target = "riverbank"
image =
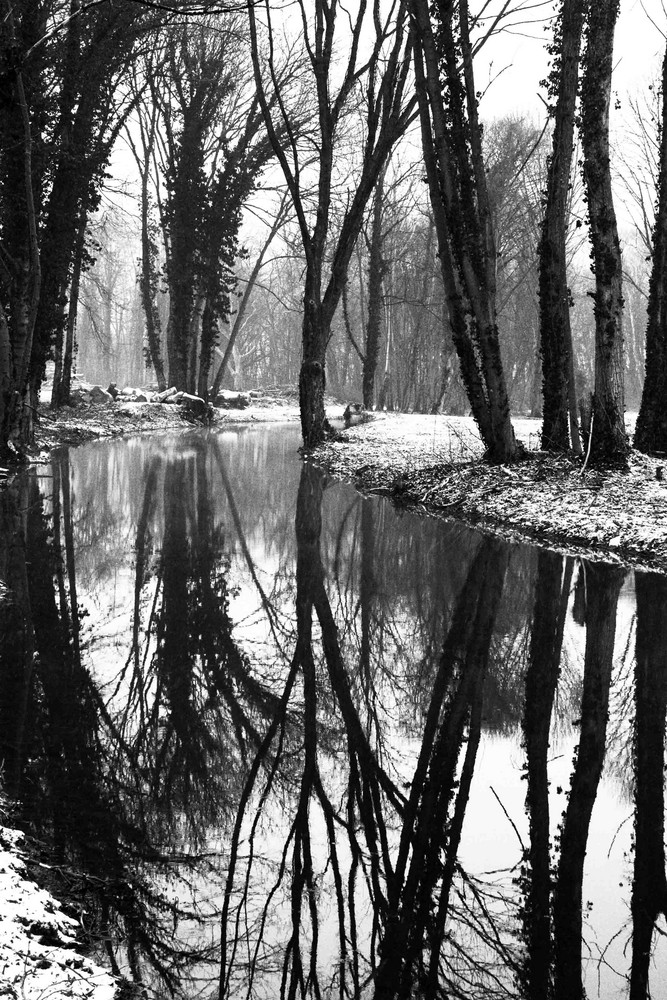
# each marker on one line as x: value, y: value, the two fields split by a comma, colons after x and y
x: 40, y: 949
x: 74, y: 425
x: 432, y: 464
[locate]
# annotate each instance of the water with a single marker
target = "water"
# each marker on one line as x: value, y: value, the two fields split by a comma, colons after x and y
x: 285, y: 740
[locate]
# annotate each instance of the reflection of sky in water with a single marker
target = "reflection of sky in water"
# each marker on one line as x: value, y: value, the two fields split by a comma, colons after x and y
x: 392, y: 581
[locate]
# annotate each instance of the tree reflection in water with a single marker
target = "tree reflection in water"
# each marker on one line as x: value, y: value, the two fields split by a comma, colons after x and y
x: 377, y: 850
x: 311, y: 783
x: 649, y: 889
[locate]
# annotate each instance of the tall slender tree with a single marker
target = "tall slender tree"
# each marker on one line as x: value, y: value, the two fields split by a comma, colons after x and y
x: 60, y: 67
x: 608, y: 438
x: 455, y: 169
x: 366, y: 87
x: 651, y: 430
x: 560, y: 428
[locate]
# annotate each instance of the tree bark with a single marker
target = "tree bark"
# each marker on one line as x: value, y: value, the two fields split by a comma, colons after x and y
x: 608, y: 439
x: 651, y: 430
x: 376, y: 271
x: 555, y: 330
x: 148, y: 284
x: 312, y: 377
x: 62, y: 378
x: 451, y: 139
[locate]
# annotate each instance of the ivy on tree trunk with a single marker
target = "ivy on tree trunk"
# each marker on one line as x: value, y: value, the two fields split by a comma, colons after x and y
x: 608, y: 439
x: 455, y: 170
x: 560, y: 408
x: 651, y: 430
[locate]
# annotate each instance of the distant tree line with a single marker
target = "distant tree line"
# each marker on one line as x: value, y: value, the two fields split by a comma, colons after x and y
x: 445, y: 279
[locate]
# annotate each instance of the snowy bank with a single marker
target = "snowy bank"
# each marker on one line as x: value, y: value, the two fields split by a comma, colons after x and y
x: 39, y: 956
x: 433, y: 464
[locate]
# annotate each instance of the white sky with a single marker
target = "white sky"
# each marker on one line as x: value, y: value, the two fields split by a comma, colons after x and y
x: 519, y: 60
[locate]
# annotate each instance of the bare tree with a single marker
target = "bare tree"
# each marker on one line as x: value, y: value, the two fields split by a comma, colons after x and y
x: 357, y: 62
x: 453, y: 156
x: 608, y: 437
x: 560, y: 427
x: 651, y: 431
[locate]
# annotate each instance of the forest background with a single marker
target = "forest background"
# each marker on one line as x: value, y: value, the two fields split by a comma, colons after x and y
x: 180, y: 183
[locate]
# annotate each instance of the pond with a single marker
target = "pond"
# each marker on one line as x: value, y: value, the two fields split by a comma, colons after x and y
x: 286, y: 740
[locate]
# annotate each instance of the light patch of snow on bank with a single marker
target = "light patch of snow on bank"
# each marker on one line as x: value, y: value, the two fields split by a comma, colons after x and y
x: 38, y: 956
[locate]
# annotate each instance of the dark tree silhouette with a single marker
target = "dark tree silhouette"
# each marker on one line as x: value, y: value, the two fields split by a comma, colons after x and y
x: 455, y: 169
x: 608, y: 438
x: 651, y: 430
x: 649, y: 885
x: 603, y: 587
x: 560, y: 428
x: 552, y: 591
x: 369, y: 83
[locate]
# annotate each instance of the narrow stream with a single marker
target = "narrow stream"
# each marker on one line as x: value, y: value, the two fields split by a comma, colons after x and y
x: 288, y: 741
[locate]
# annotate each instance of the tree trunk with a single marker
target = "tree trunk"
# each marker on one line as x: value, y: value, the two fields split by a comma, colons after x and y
x: 388, y: 112
x: 376, y: 272
x: 555, y: 329
x: 651, y: 430
x: 148, y: 283
x: 608, y: 439
x: 62, y: 378
x: 312, y: 379
x: 451, y: 139
x: 25, y: 287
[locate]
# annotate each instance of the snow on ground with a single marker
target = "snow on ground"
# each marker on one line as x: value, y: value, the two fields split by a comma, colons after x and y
x: 39, y: 959
x: 431, y: 463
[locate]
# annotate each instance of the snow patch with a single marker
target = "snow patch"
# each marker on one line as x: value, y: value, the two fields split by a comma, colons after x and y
x: 39, y: 959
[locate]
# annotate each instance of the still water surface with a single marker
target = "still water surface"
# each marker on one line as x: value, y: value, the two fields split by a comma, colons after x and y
x: 296, y: 743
